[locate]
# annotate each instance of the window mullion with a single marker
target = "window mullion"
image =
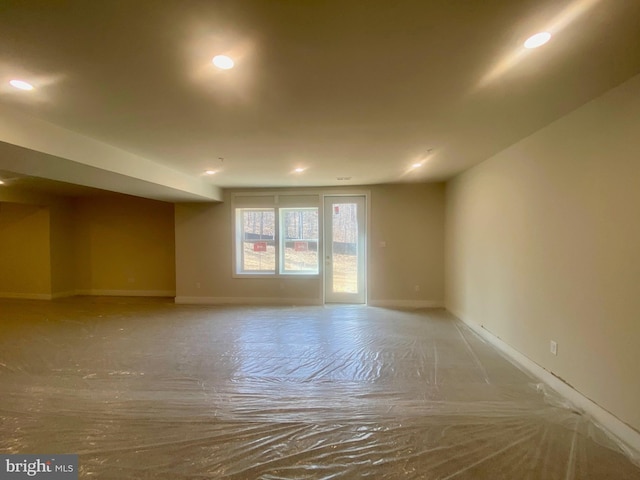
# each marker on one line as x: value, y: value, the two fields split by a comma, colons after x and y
x: 277, y: 235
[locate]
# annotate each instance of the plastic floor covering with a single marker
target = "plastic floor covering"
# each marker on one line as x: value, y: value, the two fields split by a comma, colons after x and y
x: 147, y: 389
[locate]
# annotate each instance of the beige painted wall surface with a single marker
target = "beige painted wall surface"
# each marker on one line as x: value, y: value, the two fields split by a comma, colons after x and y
x: 124, y: 244
x: 542, y: 243
x: 10, y: 193
x: 410, y: 218
x: 24, y: 250
x: 62, y: 247
x: 204, y: 265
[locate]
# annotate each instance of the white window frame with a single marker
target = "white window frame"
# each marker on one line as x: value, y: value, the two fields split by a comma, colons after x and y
x: 239, y: 242
x: 270, y: 200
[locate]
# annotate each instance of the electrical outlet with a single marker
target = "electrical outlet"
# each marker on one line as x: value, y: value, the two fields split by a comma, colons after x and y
x: 553, y: 347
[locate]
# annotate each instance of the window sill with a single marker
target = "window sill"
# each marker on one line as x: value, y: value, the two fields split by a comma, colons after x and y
x: 276, y: 275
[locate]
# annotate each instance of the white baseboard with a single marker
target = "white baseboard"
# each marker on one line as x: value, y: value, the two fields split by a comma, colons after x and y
x: 246, y: 301
x: 97, y: 293
x: 628, y: 438
x: 406, y: 303
x: 26, y: 296
x: 300, y: 301
x: 127, y: 293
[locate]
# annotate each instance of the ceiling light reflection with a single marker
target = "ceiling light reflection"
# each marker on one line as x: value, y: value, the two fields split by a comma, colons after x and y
x: 223, y: 62
x: 21, y: 85
x: 562, y: 20
x: 537, y: 40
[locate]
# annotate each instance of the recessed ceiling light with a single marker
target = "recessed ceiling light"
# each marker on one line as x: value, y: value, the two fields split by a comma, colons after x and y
x: 416, y: 165
x: 20, y: 84
x: 299, y: 170
x: 210, y: 172
x: 1, y: 182
x: 537, y: 40
x: 223, y: 62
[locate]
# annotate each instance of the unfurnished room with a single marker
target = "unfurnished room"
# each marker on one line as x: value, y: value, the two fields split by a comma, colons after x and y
x: 273, y: 239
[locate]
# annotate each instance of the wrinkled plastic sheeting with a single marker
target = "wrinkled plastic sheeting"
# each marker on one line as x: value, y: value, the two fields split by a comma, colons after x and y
x: 154, y: 390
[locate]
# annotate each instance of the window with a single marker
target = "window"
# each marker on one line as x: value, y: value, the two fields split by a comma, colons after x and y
x: 276, y: 240
x: 256, y: 228
x: 299, y: 240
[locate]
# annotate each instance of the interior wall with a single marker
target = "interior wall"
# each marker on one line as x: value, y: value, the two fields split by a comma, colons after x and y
x: 542, y: 244
x: 409, y: 218
x: 25, y: 270
x: 124, y: 245
x: 62, y: 247
x: 204, y: 261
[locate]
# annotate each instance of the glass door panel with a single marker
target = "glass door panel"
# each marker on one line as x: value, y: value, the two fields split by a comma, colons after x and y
x: 344, y: 227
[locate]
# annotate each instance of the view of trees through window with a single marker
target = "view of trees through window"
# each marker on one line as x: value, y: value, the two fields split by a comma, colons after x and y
x: 258, y: 240
x: 298, y: 239
x: 297, y: 235
x: 300, y: 229
x: 344, y: 224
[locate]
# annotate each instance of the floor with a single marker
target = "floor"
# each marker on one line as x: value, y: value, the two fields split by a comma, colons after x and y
x: 148, y: 389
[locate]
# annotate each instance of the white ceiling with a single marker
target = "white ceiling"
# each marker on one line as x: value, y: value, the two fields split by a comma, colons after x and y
x: 358, y: 89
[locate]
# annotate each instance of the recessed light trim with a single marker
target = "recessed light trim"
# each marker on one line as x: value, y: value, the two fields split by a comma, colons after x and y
x: 210, y: 172
x: 537, y: 40
x: 416, y: 165
x: 223, y: 62
x: 299, y: 170
x: 21, y: 85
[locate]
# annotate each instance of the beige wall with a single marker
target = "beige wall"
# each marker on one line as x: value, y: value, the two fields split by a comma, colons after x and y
x: 124, y: 245
x: 542, y: 243
x: 102, y: 245
x: 12, y: 194
x: 24, y: 251
x: 409, y: 218
x: 62, y: 247
x: 204, y: 265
